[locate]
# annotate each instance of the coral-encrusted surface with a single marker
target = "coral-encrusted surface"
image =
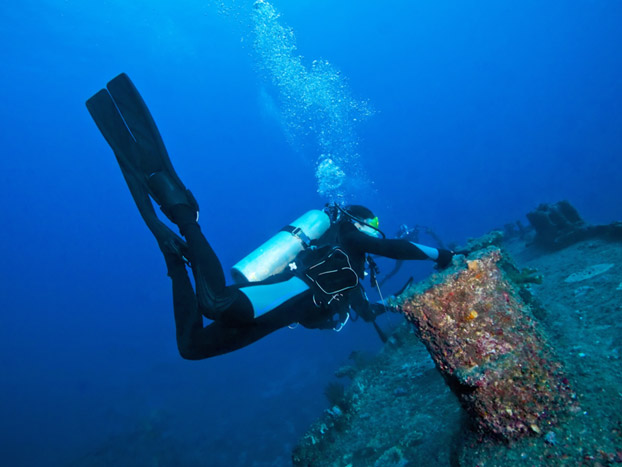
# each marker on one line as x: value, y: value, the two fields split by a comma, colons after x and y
x: 398, y: 411
x: 486, y: 344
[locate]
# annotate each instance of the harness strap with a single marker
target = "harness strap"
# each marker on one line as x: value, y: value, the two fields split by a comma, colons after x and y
x: 299, y: 234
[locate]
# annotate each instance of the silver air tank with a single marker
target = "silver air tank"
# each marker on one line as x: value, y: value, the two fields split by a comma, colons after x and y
x: 274, y: 255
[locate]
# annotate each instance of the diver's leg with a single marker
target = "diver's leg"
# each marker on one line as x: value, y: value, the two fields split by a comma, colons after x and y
x: 234, y: 306
x: 201, y: 253
x: 214, y: 297
x: 188, y: 320
x: 196, y: 342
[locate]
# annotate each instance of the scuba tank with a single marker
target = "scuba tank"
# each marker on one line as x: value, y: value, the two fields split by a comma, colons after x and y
x: 274, y: 255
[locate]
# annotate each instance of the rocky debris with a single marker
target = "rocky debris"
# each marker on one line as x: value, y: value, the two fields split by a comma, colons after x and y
x: 493, y: 238
x: 583, y: 291
x: 515, y: 230
x: 589, y: 272
x: 559, y: 225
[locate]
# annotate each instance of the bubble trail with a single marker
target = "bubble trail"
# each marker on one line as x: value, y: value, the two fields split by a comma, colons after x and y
x: 315, y: 103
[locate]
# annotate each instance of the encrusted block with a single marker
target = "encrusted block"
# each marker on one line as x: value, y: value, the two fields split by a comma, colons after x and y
x: 488, y: 347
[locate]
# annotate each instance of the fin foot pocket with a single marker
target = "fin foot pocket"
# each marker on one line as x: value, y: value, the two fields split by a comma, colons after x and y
x: 167, y: 193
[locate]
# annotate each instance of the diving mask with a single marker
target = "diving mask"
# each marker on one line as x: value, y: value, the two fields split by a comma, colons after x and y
x: 369, y: 227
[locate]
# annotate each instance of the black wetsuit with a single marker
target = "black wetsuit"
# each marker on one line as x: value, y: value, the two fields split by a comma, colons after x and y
x: 235, y: 326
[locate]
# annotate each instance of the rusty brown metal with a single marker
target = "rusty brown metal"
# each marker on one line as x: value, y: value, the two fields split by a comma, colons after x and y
x: 489, y: 348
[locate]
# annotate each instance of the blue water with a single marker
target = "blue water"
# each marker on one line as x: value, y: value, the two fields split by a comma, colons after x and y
x: 458, y: 116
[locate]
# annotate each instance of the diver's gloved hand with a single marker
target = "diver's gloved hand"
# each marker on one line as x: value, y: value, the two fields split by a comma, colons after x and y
x: 444, y: 258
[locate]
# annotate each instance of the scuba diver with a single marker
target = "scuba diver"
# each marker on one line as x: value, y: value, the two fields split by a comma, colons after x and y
x: 309, y: 273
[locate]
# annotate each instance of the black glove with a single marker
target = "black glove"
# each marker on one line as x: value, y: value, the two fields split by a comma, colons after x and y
x: 444, y: 258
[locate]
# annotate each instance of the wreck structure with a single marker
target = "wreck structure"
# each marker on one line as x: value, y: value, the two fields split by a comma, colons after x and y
x: 486, y: 344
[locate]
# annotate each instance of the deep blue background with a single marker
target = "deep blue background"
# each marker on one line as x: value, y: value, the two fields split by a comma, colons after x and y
x: 483, y: 110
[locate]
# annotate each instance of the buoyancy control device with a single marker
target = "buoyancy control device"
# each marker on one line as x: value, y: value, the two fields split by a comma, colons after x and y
x: 332, y: 275
x: 276, y: 254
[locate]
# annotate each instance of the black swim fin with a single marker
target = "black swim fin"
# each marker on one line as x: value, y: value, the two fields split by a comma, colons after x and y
x: 124, y: 120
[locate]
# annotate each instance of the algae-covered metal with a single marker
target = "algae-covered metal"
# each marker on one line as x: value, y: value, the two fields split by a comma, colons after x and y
x: 487, y: 346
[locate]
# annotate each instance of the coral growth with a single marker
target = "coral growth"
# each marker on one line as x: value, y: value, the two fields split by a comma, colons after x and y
x: 486, y: 344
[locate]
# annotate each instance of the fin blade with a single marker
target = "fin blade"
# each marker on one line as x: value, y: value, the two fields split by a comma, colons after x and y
x: 110, y: 123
